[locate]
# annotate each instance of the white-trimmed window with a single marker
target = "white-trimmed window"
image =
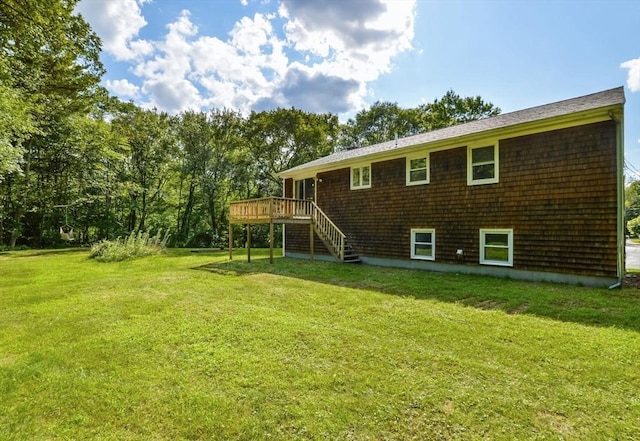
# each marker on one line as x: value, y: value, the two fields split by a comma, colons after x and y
x: 418, y: 169
x: 361, y: 177
x: 483, y: 164
x: 423, y: 243
x: 496, y: 247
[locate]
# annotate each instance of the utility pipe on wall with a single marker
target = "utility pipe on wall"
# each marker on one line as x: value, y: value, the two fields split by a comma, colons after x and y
x: 620, y: 199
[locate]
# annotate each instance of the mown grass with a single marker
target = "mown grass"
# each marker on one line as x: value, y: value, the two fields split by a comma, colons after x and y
x: 191, y: 346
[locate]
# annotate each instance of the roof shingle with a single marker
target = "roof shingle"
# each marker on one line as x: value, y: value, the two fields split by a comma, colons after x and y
x: 566, y: 107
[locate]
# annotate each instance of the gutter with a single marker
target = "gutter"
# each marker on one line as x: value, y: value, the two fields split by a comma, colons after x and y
x: 620, y: 199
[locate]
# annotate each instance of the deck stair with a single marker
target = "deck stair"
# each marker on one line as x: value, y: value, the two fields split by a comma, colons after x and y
x: 350, y: 256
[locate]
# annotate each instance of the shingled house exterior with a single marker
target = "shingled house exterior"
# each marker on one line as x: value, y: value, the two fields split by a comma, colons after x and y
x: 535, y: 194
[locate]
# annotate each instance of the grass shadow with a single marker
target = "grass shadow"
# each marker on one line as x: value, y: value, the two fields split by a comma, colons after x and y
x: 588, y: 306
x: 17, y: 254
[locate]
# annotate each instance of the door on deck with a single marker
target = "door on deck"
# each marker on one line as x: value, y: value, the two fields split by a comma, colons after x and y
x: 305, y: 189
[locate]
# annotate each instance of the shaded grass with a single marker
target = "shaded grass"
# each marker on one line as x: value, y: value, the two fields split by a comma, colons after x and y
x: 151, y: 349
x: 618, y: 307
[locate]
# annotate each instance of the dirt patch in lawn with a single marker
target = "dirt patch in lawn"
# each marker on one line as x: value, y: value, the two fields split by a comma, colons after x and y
x: 632, y: 281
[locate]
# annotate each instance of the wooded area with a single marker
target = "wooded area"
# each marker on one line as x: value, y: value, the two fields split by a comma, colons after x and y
x: 72, y: 156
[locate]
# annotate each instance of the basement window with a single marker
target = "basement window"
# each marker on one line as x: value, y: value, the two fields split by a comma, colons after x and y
x: 482, y: 164
x: 360, y: 177
x: 423, y: 243
x: 496, y: 247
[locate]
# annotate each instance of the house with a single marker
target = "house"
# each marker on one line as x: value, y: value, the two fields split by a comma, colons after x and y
x: 535, y: 194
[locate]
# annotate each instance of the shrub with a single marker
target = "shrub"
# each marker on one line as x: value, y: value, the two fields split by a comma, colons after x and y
x: 634, y: 227
x: 135, y: 245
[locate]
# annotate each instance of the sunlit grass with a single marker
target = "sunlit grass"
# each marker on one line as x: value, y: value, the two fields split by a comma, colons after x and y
x: 191, y: 346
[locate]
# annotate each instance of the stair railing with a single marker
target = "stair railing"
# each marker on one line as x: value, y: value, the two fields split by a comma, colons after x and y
x: 328, y: 231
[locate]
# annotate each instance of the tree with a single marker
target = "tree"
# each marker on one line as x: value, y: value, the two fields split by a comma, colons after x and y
x: 145, y: 169
x: 452, y: 109
x: 632, y: 200
x: 50, y: 58
x: 207, y: 145
x: 15, y: 125
x: 383, y: 121
x: 283, y: 138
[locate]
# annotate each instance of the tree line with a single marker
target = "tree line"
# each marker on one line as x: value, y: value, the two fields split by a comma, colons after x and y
x: 72, y: 156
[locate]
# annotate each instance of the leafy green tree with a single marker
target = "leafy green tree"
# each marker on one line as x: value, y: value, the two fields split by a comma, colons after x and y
x: 227, y: 127
x: 194, y: 136
x: 49, y: 57
x: 145, y: 168
x: 15, y: 125
x: 208, y: 143
x: 632, y: 200
x: 633, y: 227
x: 283, y: 138
x: 383, y: 121
x: 453, y: 109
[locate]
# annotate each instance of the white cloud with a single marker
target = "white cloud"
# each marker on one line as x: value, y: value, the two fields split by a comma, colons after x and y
x: 165, y: 78
x: 172, y: 96
x: 123, y: 88
x: 633, y: 80
x: 117, y: 22
x: 321, y: 61
x: 350, y: 40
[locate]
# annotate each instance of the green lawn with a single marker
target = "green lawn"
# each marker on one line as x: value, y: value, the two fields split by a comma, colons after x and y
x: 191, y: 346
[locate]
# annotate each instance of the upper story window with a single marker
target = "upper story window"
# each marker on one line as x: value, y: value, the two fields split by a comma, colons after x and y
x: 496, y: 247
x: 418, y: 169
x: 361, y: 177
x: 482, y: 164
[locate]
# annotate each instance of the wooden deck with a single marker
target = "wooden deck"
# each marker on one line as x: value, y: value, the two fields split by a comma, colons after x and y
x: 271, y: 210
x: 275, y: 210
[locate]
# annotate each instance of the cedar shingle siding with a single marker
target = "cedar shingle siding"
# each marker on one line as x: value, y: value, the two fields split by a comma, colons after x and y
x: 557, y: 191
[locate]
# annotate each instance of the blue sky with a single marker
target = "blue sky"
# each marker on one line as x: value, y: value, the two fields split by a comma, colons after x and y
x: 341, y: 56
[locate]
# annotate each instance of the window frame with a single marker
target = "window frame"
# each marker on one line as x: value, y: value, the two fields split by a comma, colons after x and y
x: 414, y: 232
x: 496, y: 162
x: 483, y: 246
x: 427, y: 167
x: 360, y: 168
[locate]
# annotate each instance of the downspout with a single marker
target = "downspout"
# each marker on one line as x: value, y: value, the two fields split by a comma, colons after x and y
x: 284, y: 195
x: 620, y: 198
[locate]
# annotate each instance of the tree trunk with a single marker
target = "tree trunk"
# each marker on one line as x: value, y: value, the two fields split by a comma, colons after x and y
x: 186, y: 216
x: 19, y: 208
x: 212, y: 213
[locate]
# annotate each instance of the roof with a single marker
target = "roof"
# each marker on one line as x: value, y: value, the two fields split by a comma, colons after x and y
x: 593, y: 101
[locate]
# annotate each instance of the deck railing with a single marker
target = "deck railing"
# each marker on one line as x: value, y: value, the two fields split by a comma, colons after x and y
x: 265, y: 209
x: 286, y: 209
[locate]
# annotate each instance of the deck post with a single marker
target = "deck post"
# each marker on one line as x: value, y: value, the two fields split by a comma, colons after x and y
x: 311, y: 240
x: 249, y: 243
x: 271, y: 241
x: 230, y: 241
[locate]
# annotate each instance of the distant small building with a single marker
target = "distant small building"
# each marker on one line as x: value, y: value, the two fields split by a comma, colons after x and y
x: 535, y: 194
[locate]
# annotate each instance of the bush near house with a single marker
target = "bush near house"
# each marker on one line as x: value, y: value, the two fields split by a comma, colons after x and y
x: 633, y: 226
x: 137, y: 244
